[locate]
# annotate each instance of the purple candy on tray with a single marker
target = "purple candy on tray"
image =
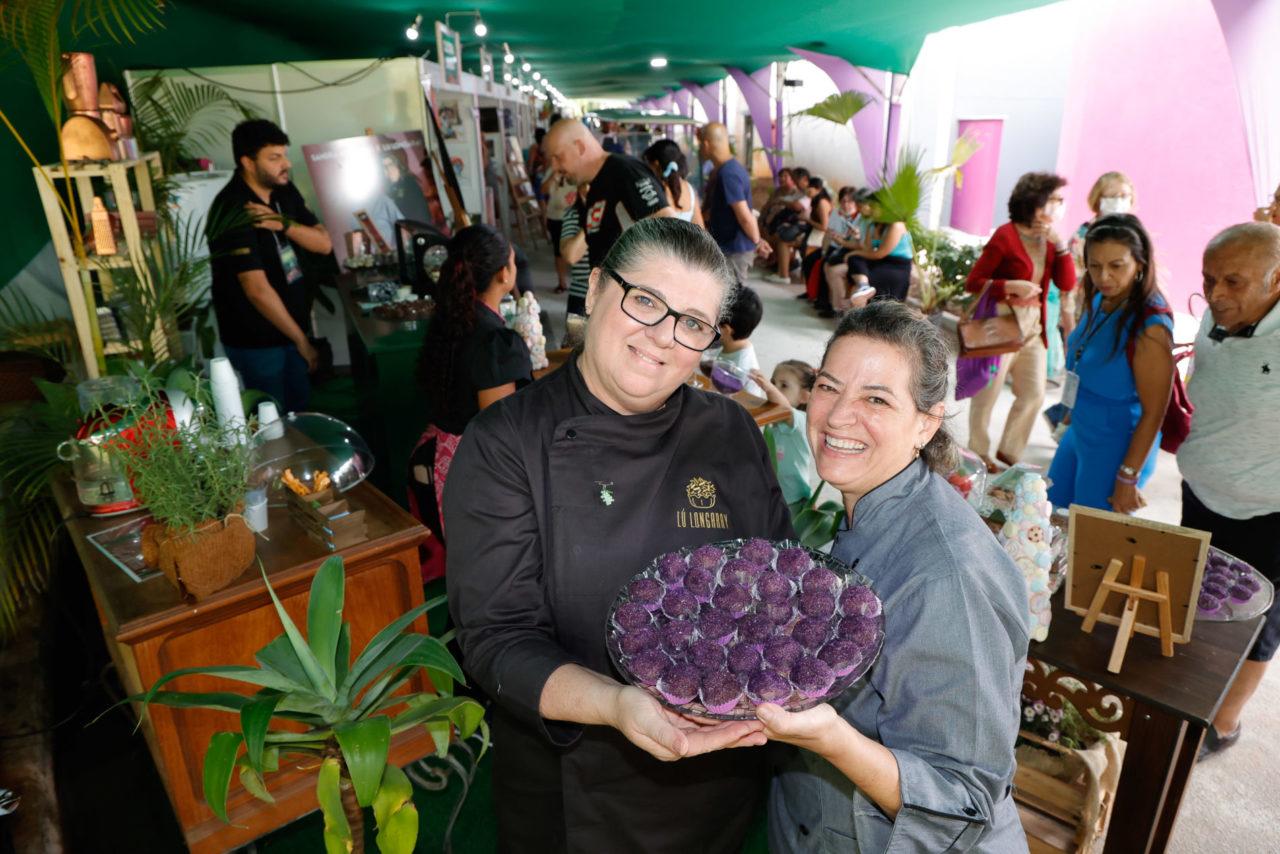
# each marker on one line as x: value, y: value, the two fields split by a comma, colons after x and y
x: 812, y: 677
x: 794, y: 562
x: 811, y: 632
x: 744, y: 659
x: 741, y: 572
x: 647, y: 591
x: 817, y: 603
x: 705, y: 557
x: 1214, y: 589
x: 860, y: 630
x: 638, y: 640
x: 842, y: 656
x: 734, y: 598
x: 779, y: 613
x: 699, y: 580
x: 766, y: 686
x: 680, y: 683
x: 648, y: 667
x: 630, y: 616
x: 1240, y: 594
x: 706, y: 655
x: 721, y: 692
x: 1250, y: 581
x: 672, y: 568
x: 757, y: 551
x: 773, y: 587
x: 782, y: 653
x: 679, y: 603
x: 677, y: 635
x: 859, y: 599
x: 717, y: 624
x: 1208, y: 604
x: 820, y: 578
x: 755, y: 629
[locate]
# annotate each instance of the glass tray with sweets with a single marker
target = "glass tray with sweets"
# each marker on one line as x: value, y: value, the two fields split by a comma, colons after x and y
x: 716, y: 630
x: 1231, y: 589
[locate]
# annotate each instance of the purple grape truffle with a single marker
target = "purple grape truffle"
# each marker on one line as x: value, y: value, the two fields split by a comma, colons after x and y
x: 734, y: 598
x: 781, y: 654
x: 766, y: 686
x: 648, y: 667
x: 699, y: 580
x: 677, y: 635
x: 859, y: 599
x: 842, y: 656
x: 816, y: 603
x: 820, y: 578
x: 812, y: 677
x: 721, y: 692
x: 672, y: 568
x: 1249, y: 581
x: 717, y: 625
x: 757, y: 551
x: 794, y: 562
x: 706, y: 654
x: 705, y: 557
x: 779, y: 613
x: 1217, y: 591
x: 1208, y: 604
x: 744, y: 659
x: 680, y: 683
x: 631, y: 615
x: 679, y: 603
x: 860, y: 630
x: 647, y: 591
x: 811, y: 632
x: 1240, y: 594
x: 741, y: 572
x: 755, y: 629
x: 773, y: 587
x: 638, y: 640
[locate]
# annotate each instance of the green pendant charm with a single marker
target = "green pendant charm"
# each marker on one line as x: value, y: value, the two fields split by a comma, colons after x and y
x: 606, y: 493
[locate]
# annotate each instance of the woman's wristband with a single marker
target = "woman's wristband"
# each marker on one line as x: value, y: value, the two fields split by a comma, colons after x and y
x: 1131, y: 481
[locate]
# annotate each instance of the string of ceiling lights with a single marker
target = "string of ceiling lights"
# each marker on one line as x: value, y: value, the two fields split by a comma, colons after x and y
x: 540, y: 88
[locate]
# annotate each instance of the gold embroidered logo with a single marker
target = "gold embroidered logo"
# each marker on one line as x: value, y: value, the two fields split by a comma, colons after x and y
x: 702, y: 493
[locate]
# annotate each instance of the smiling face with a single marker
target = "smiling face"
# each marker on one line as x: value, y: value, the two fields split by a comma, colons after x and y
x: 1112, y: 268
x: 633, y: 368
x: 864, y: 427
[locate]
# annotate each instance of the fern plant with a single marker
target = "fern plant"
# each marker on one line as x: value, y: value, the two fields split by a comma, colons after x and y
x: 348, y: 710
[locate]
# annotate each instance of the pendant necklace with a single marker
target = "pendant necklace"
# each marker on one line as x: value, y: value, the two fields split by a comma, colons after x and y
x: 606, y: 492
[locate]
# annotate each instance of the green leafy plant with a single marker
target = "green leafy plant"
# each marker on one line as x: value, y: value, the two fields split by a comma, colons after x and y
x: 1063, y: 726
x: 816, y: 524
x: 943, y: 266
x: 182, y: 120
x: 349, y: 708
x: 839, y: 108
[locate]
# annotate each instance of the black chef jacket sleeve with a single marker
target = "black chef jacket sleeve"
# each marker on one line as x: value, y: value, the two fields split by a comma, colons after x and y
x: 494, y: 576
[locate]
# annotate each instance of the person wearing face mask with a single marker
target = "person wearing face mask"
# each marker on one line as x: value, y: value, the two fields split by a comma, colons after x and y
x: 557, y: 496
x: 1120, y: 372
x: 1270, y: 213
x: 1015, y: 269
x: 1112, y: 193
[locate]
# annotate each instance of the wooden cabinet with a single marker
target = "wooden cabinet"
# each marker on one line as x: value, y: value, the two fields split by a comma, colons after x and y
x: 150, y: 631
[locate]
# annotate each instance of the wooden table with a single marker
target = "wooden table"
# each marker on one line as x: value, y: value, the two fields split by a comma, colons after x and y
x: 1160, y: 706
x: 150, y: 631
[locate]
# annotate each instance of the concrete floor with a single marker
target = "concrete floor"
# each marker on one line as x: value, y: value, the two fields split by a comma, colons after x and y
x: 1231, y: 803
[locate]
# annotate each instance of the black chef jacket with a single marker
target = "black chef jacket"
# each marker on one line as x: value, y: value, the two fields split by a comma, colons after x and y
x: 535, y: 559
x: 245, y: 248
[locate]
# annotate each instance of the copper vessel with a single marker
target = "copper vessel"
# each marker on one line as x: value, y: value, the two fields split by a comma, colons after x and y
x: 80, y: 83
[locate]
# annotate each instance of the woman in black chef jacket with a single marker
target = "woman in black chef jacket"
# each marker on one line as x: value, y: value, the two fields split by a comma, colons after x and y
x: 558, y: 495
x: 470, y: 360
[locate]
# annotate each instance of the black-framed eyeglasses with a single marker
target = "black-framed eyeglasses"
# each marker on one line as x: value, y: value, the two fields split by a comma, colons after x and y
x: 644, y: 306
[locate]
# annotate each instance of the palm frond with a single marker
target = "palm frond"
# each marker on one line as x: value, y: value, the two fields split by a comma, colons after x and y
x: 26, y: 327
x: 31, y: 28
x: 26, y: 538
x: 118, y: 20
x: 899, y: 198
x: 180, y: 120
x: 839, y: 108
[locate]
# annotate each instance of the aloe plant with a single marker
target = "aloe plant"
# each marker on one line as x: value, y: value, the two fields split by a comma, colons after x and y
x: 350, y: 710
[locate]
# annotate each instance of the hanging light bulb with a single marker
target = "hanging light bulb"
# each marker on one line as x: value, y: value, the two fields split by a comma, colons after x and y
x: 537, y: 75
x: 411, y: 32
x: 486, y: 68
x: 481, y: 29
x: 506, y: 75
x: 508, y: 57
x: 526, y: 67
x: 658, y: 62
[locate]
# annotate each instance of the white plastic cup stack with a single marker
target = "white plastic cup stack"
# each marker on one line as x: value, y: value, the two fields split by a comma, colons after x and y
x: 269, y: 422
x: 225, y: 387
x: 255, y: 510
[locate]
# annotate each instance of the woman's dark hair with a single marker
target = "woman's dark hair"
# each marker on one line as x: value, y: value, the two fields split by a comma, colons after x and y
x: 1031, y: 193
x: 1128, y: 231
x: 816, y: 183
x: 671, y: 166
x: 674, y: 238
x: 476, y: 254
x: 907, y: 329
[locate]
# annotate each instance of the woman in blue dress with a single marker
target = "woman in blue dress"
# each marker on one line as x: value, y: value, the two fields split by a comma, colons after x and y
x: 1120, y: 372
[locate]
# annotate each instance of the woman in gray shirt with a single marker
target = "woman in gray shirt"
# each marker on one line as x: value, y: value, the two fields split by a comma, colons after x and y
x: 919, y: 756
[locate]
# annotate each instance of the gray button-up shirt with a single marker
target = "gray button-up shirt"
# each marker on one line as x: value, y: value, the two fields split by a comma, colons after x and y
x: 943, y: 696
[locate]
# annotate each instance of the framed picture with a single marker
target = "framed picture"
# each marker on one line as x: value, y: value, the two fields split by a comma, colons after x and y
x: 449, y: 54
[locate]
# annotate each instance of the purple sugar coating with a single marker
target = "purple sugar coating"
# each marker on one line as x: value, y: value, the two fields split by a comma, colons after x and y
x: 794, y: 562
x: 773, y: 587
x: 739, y: 571
x: 782, y: 653
x: 1208, y: 604
x: 859, y: 599
x: 720, y: 692
x: 757, y: 551
x: 706, y: 654
x: 646, y: 591
x: 755, y: 629
x: 811, y: 632
x: 680, y: 683
x: 1239, y: 566
x: 672, y: 568
x: 815, y: 603
x: 699, y: 581
x: 648, y: 667
x: 766, y: 686
x: 820, y: 578
x: 679, y: 603
x: 638, y: 640
x: 631, y: 615
x: 1214, y: 589
x: 860, y: 630
x: 734, y: 598
x: 716, y: 624
x: 779, y: 613
x: 1249, y: 581
x: 842, y: 656
x: 705, y: 557
x: 744, y: 659
x: 812, y: 676
x: 1240, y: 594
x: 677, y: 635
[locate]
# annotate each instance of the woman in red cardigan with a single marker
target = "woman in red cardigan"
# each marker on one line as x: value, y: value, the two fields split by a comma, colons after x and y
x: 1018, y: 262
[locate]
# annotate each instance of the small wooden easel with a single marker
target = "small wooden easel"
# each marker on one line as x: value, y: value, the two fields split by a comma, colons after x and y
x: 1134, y: 593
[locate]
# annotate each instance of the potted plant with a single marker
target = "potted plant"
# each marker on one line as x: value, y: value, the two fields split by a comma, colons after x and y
x: 341, y: 715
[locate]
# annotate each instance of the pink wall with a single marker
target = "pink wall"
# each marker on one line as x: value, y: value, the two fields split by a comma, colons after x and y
x: 1152, y: 94
x: 973, y: 202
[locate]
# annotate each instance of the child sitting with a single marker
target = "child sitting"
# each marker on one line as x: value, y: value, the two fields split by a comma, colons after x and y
x: 792, y: 458
x: 745, y: 312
